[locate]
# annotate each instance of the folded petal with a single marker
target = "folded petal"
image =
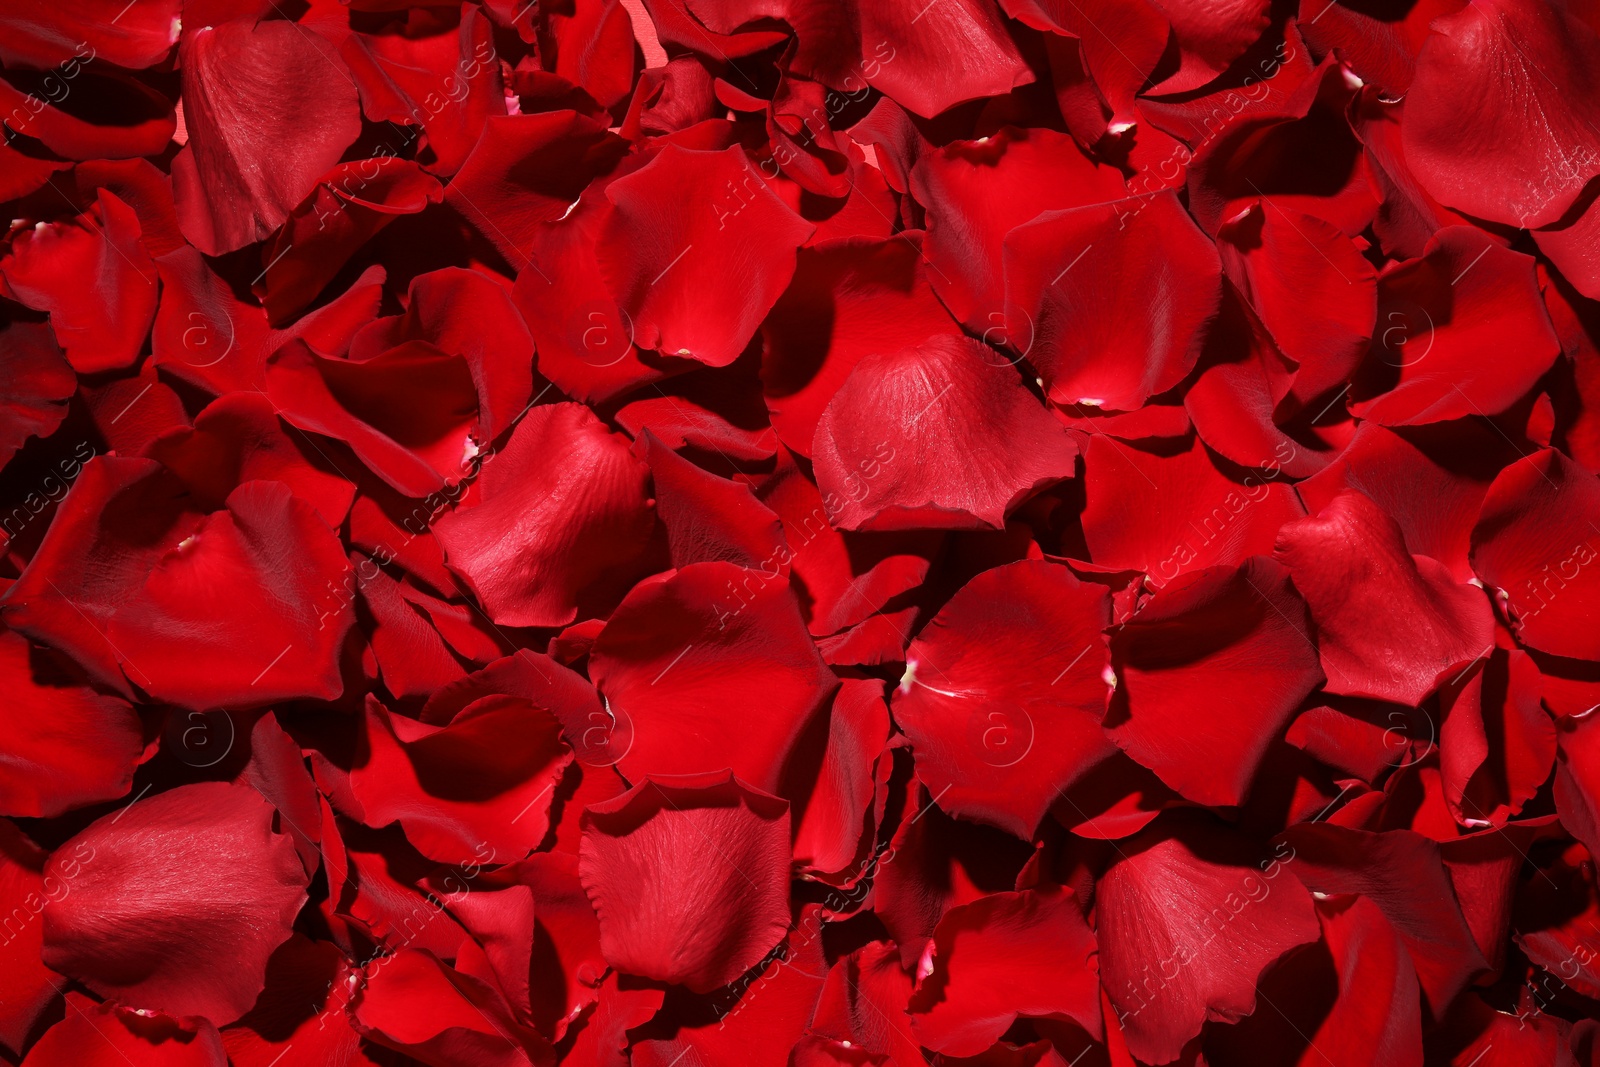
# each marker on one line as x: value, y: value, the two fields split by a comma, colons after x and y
x: 1444, y: 322
x: 483, y: 780
x: 1118, y: 296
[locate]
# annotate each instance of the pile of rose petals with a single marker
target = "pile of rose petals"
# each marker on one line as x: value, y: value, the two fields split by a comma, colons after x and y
x: 799, y: 533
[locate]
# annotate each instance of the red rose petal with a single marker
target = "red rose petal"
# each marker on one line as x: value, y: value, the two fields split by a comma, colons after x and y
x: 681, y: 661
x: 50, y: 712
x: 1534, y: 543
x: 1390, y: 626
x: 268, y: 110
x: 1243, y: 632
x: 873, y: 470
x: 997, y: 743
x: 1468, y: 138
x: 181, y: 899
x: 1443, y: 321
x: 1117, y: 295
x: 697, y: 284
x: 483, y: 781
x: 1187, y: 921
x: 39, y: 382
x: 690, y: 877
x: 1173, y: 509
x: 537, y: 539
x: 1034, y: 943
x: 104, y: 1035
x: 94, y: 278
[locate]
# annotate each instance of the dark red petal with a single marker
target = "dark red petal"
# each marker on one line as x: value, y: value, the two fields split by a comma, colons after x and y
x: 697, y: 283
x: 39, y: 382
x: 1390, y: 625
x: 349, y: 205
x: 1241, y: 631
x: 1211, y: 34
x: 1430, y: 480
x: 863, y: 1003
x: 1534, y: 543
x: 1403, y: 873
x: 604, y: 1040
x: 449, y: 83
x: 1577, y: 781
x: 943, y: 436
x: 105, y: 115
x: 412, y: 658
x: 556, y: 518
x: 1380, y: 45
x: 268, y: 108
x: 299, y: 1021
x: 930, y: 59
x: 27, y: 988
x: 1315, y: 292
x: 239, y: 439
x: 483, y: 781
x: 758, y: 1021
x: 1117, y: 296
x: 1294, y: 148
x: 1556, y: 913
x: 409, y: 412
x: 934, y: 863
x: 1478, y: 1035
x: 566, y: 932
x: 526, y: 170
x: 207, y: 336
x: 1357, y: 1003
x: 690, y: 877
x: 1187, y: 921
x: 1028, y: 954
x: 1173, y: 509
x: 585, y: 344
x: 1467, y: 132
x: 125, y: 513
x: 1234, y: 401
x: 996, y: 740
x: 181, y: 899
x: 417, y: 1005
x: 710, y: 518
x: 105, y: 1035
x: 828, y: 835
x: 1497, y: 745
x: 681, y: 660
x: 705, y: 410
x: 94, y: 278
x: 50, y: 712
x: 465, y: 313
x: 1443, y: 324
